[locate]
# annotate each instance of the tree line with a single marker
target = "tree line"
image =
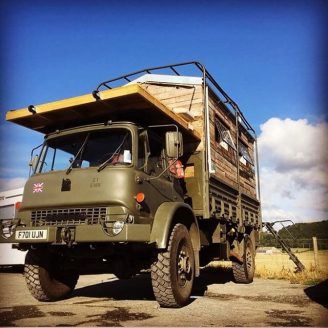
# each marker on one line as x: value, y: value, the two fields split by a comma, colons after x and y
x: 299, y: 235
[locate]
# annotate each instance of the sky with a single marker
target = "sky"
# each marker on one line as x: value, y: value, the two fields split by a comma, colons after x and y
x: 270, y: 56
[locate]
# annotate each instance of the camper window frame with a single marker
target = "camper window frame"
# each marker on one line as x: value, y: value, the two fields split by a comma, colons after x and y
x: 244, y: 154
x: 223, y: 134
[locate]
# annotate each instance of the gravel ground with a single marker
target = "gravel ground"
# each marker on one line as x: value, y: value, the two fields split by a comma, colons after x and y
x: 103, y: 300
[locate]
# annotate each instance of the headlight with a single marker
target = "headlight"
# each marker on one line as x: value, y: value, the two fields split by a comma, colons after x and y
x: 117, y: 227
x: 7, y: 228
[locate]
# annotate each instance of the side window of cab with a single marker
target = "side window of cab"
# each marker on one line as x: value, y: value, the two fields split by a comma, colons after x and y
x: 155, y: 160
x: 150, y: 149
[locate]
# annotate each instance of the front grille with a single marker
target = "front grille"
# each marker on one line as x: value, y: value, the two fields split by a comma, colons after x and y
x: 68, y: 216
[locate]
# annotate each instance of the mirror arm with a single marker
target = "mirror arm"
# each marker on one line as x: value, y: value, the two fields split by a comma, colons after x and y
x: 158, y: 176
x: 30, y: 164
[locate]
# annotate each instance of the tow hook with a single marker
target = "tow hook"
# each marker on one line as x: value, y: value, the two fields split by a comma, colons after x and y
x: 66, y: 235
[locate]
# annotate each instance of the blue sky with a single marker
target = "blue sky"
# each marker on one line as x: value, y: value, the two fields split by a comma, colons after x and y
x: 268, y: 55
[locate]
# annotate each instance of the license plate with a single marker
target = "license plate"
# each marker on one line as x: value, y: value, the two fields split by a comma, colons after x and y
x: 31, y: 234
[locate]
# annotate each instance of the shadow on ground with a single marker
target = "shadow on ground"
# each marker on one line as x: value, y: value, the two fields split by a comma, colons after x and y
x: 137, y: 288
x: 318, y: 293
x: 12, y: 268
x: 210, y: 276
x: 140, y: 288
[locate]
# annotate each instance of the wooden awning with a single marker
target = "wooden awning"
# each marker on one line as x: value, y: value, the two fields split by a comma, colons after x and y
x: 127, y: 103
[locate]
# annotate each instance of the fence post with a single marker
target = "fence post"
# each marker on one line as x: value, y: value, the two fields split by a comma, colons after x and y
x: 315, y: 252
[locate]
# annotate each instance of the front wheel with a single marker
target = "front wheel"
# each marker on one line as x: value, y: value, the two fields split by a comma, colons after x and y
x: 45, y: 278
x: 243, y: 273
x: 173, y: 272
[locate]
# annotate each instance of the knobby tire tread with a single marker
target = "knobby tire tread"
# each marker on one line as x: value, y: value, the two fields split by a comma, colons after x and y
x: 32, y: 278
x: 160, y: 276
x: 239, y: 270
x: 40, y: 284
x: 239, y: 273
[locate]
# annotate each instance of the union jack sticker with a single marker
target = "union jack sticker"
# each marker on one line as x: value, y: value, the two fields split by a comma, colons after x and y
x: 37, y: 187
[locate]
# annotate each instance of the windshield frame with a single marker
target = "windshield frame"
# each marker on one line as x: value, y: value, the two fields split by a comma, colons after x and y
x: 130, y: 127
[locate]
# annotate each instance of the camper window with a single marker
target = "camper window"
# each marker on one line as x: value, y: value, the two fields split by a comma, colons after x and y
x: 245, y: 157
x: 222, y: 135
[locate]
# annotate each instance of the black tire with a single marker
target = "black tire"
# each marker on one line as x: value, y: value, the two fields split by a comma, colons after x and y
x: 243, y: 273
x: 44, y: 278
x: 172, y: 274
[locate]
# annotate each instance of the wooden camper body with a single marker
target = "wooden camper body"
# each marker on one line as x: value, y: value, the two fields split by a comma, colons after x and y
x: 232, y: 186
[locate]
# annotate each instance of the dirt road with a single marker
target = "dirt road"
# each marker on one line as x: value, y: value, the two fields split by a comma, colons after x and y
x: 102, y: 300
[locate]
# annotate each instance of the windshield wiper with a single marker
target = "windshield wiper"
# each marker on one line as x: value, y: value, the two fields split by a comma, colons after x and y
x: 103, y: 165
x: 78, y: 153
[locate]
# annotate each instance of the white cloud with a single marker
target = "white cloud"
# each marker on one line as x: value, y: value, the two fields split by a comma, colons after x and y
x: 7, y: 184
x: 293, y: 159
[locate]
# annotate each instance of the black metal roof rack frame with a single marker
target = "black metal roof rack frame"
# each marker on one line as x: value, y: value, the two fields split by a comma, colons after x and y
x: 207, y: 79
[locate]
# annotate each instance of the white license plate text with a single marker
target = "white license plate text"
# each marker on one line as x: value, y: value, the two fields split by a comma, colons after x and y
x: 31, y: 234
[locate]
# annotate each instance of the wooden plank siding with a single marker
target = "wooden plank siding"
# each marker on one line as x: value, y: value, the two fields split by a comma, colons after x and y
x: 190, y: 99
x: 225, y: 160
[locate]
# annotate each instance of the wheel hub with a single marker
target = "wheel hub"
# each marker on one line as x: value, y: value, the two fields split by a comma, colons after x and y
x: 184, y: 266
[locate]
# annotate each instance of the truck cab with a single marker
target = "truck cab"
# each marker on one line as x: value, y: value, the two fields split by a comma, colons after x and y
x: 113, y: 176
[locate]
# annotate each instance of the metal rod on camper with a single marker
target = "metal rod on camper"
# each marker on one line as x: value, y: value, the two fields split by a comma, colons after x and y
x: 257, y: 170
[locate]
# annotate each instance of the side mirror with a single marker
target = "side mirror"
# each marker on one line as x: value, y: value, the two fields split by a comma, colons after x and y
x: 34, y: 162
x: 173, y: 144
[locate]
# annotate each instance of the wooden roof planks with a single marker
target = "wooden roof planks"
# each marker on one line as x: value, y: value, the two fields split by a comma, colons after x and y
x: 130, y: 102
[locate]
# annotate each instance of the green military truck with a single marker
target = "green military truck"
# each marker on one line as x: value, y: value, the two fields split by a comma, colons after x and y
x: 149, y: 171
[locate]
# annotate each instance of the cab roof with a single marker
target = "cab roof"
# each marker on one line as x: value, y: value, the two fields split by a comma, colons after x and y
x: 126, y: 103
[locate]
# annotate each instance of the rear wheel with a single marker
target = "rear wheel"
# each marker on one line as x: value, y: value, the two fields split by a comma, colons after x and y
x: 173, y: 272
x: 46, y: 279
x: 244, y: 272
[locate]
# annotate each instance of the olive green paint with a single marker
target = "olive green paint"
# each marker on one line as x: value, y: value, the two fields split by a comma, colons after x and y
x: 163, y: 221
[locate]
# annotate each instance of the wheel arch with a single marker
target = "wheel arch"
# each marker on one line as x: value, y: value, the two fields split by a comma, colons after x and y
x: 169, y: 214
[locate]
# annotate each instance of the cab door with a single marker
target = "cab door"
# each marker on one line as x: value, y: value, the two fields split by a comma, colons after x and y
x: 157, y: 185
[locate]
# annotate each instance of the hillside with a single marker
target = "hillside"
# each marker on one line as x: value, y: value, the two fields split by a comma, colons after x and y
x: 299, y: 231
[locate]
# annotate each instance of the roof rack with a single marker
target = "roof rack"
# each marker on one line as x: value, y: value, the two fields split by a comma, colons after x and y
x: 207, y: 80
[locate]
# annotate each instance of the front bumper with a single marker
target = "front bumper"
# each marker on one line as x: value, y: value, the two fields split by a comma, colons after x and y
x: 77, y: 234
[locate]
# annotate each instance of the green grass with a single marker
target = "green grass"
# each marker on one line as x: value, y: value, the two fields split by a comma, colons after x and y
x: 279, y: 266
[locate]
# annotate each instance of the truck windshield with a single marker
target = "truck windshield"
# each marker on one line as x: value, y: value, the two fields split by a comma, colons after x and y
x: 87, y: 149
